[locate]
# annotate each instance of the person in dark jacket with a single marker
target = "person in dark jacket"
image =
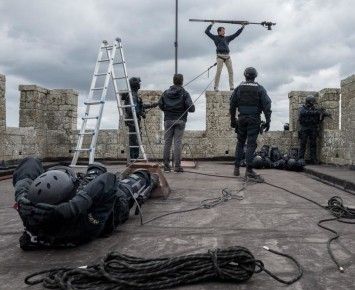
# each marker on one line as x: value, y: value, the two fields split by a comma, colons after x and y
x: 175, y: 103
x: 310, y: 118
x: 60, y: 209
x: 222, y: 49
x: 140, y: 107
x: 250, y: 98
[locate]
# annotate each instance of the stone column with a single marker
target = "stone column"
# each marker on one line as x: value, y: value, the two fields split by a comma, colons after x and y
x: 2, y: 115
x: 328, y: 137
x: 33, y: 105
x: 221, y: 137
x: 348, y: 119
x: 152, y: 127
x: 61, y: 121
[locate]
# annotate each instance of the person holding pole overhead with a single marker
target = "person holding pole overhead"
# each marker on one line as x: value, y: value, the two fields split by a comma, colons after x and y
x: 222, y: 49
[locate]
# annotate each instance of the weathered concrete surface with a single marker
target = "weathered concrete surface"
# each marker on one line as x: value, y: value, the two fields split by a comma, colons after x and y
x: 340, y: 176
x: 266, y: 216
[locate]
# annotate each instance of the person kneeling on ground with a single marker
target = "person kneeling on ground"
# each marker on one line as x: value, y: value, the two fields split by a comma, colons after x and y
x: 176, y: 103
x: 60, y: 209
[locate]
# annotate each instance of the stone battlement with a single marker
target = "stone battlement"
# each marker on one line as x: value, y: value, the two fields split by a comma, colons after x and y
x: 48, y: 130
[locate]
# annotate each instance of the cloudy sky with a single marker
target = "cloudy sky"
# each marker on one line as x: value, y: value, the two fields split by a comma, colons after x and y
x: 54, y: 44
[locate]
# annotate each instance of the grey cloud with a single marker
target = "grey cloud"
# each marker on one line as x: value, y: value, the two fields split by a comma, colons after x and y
x: 54, y: 43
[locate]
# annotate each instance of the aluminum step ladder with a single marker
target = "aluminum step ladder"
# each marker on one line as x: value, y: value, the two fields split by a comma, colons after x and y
x: 107, y: 55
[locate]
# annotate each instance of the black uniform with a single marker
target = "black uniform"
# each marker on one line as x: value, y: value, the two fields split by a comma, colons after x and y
x: 251, y: 99
x: 94, y: 210
x: 309, y: 118
x: 141, y: 113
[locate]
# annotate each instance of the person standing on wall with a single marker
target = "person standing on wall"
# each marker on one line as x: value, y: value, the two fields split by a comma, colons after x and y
x: 222, y: 49
x: 175, y: 103
x: 250, y: 99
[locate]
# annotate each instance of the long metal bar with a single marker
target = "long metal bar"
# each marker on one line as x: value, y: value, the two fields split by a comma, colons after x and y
x: 267, y: 24
x: 176, y: 35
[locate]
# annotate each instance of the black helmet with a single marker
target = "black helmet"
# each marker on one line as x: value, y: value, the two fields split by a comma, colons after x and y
x: 250, y: 73
x: 258, y: 162
x: 279, y: 164
x: 275, y: 154
x: 264, y: 151
x: 135, y: 83
x: 95, y: 169
x: 52, y: 187
x: 286, y: 127
x: 310, y: 100
x: 292, y: 164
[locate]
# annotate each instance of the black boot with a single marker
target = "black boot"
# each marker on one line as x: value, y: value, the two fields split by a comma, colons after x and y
x: 252, y: 175
x: 236, y: 171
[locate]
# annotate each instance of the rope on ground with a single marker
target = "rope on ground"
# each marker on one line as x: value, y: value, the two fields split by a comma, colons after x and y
x: 118, y: 271
x: 340, y: 212
x: 206, y: 203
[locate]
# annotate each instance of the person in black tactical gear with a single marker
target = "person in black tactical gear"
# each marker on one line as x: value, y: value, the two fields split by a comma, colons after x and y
x: 60, y: 209
x: 250, y: 98
x: 222, y: 49
x: 135, y: 84
x: 310, y: 117
x: 176, y: 103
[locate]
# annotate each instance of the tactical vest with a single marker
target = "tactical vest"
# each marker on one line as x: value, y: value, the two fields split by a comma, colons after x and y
x: 249, y: 98
x: 309, y: 117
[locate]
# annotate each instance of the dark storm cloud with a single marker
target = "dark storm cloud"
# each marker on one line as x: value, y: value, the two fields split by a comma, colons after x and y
x: 55, y: 43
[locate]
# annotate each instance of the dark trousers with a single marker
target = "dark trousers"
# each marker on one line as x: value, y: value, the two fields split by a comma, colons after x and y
x: 304, y: 136
x: 248, y: 130
x: 133, y: 140
x: 174, y: 130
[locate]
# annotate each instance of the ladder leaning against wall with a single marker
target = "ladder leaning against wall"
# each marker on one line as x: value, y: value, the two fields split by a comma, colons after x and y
x: 111, y: 57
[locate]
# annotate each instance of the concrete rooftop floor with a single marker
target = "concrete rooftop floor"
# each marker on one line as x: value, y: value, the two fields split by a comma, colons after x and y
x: 266, y: 216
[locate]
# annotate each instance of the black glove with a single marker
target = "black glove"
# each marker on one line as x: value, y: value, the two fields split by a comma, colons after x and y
x: 267, y: 126
x: 234, y: 123
x: 36, y: 214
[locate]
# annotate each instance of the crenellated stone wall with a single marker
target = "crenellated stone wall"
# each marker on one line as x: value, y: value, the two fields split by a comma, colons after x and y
x: 48, y: 130
x: 47, y: 124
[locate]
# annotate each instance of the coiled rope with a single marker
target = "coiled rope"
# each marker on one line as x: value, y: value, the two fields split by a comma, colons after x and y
x: 118, y: 271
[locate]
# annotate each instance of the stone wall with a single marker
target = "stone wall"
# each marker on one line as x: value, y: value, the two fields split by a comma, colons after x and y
x: 348, y: 120
x: 47, y: 124
x: 2, y: 116
x: 48, y: 130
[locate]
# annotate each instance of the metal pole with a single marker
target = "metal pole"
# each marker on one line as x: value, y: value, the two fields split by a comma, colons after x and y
x: 176, y: 36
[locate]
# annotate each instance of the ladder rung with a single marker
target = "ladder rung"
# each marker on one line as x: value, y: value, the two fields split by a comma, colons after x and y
x: 123, y: 91
x: 108, y: 47
x: 98, y: 88
x: 83, y: 149
x: 78, y: 166
x: 139, y: 159
x: 128, y: 119
x: 104, y: 60
x: 89, y: 117
x: 135, y: 146
x: 101, y: 74
x: 119, y: 78
x: 94, y: 102
x: 125, y: 106
x: 87, y: 133
x: 119, y: 62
